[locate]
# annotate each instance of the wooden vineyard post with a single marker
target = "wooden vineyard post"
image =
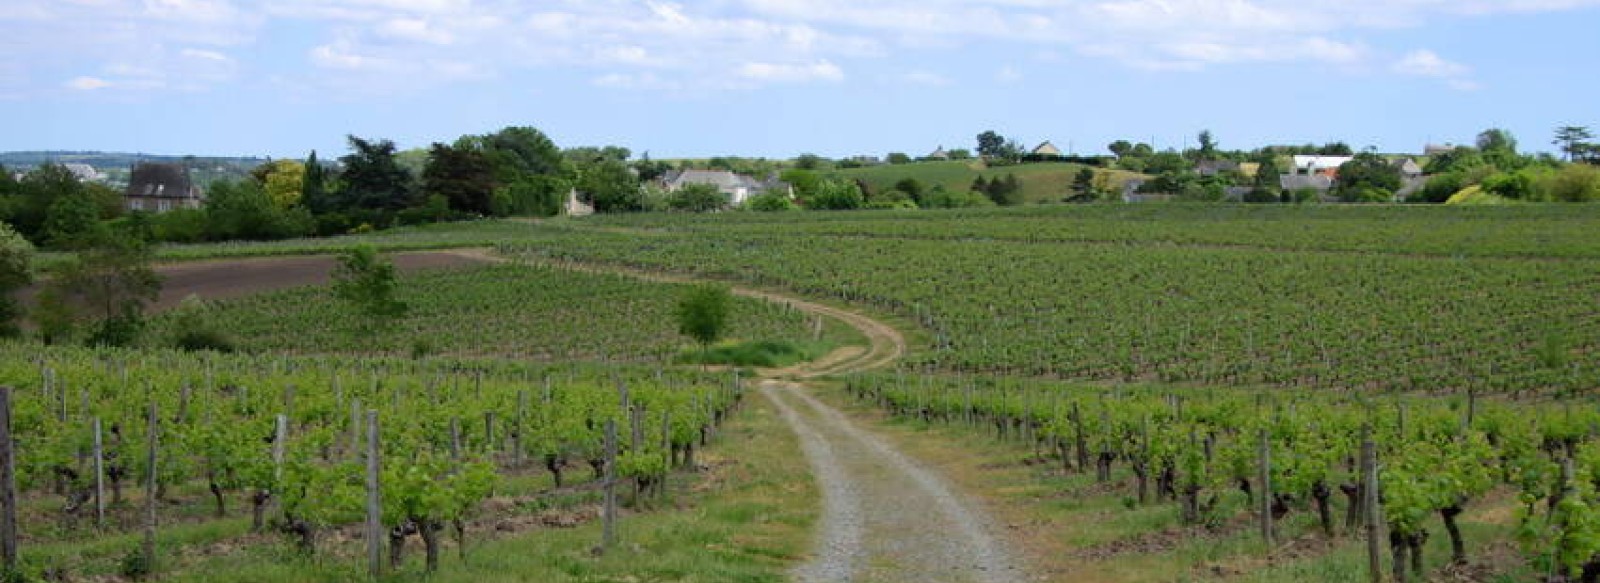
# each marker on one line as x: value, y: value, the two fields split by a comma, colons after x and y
x: 666, y: 447
x: 1081, y: 441
x: 1369, y: 502
x: 355, y: 429
x: 455, y: 438
x: 8, y: 486
x: 99, y: 475
x: 488, y: 432
x: 150, y: 491
x: 1266, y: 490
x: 518, y: 429
x: 374, y: 499
x: 608, y: 516
x: 280, y: 434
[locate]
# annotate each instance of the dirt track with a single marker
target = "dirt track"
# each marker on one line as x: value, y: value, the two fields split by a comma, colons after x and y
x: 886, y: 517
x: 233, y: 278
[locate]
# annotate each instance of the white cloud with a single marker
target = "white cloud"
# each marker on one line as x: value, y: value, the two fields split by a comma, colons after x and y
x: 926, y: 78
x: 204, y: 55
x: 721, y: 44
x: 1426, y: 63
x: 791, y: 72
x: 339, y: 55
x: 1008, y: 74
x: 414, y: 29
x: 88, y: 83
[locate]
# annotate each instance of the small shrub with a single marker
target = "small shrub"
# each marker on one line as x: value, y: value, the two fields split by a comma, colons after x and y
x: 204, y: 339
x: 118, y: 331
x: 764, y: 353
x: 422, y: 348
x: 134, y: 566
x: 13, y: 575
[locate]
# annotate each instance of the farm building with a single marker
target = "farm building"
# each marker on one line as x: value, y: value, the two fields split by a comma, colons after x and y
x: 84, y: 172
x: 1215, y: 167
x: 1047, y: 149
x: 160, y: 187
x: 1323, y: 165
x: 737, y: 187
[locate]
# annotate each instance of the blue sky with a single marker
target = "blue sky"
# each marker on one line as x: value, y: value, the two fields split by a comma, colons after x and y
x: 777, y: 78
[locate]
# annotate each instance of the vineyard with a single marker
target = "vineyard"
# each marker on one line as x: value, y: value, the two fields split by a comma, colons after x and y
x: 1544, y: 232
x: 103, y: 438
x: 1146, y: 394
x: 1170, y: 313
x: 1235, y: 473
x: 506, y: 311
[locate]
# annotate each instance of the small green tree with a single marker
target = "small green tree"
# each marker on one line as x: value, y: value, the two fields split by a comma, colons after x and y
x: 773, y: 201
x: 113, y: 279
x: 368, y: 281
x: 836, y: 195
x: 1082, y: 188
x: 697, y: 198
x: 703, y: 313
x: 16, y: 259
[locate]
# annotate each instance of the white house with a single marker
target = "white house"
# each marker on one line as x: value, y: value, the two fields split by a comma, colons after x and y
x: 1307, y: 165
x: 84, y: 172
x: 737, y: 187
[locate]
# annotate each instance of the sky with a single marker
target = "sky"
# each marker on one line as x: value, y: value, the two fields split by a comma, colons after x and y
x: 776, y: 78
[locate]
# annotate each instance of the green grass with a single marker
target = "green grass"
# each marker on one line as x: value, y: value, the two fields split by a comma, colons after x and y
x: 760, y: 353
x: 1041, y: 182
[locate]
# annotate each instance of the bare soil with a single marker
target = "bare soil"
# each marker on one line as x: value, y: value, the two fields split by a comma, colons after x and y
x: 232, y: 278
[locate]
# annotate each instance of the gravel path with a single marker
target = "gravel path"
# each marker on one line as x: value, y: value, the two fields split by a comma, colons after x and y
x: 885, y: 518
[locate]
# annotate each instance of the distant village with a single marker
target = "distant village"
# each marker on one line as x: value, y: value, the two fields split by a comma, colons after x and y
x: 1130, y: 173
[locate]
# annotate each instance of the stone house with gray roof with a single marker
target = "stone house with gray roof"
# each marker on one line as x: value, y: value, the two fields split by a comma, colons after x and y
x: 161, y: 187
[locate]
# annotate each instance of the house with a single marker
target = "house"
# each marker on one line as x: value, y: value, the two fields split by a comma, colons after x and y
x: 1409, y: 170
x: 1321, y: 183
x: 1215, y: 167
x: 1324, y: 165
x: 84, y: 172
x: 1411, y: 178
x: 939, y: 154
x: 737, y: 187
x: 1046, y: 149
x: 1437, y: 149
x: 575, y: 207
x: 160, y: 187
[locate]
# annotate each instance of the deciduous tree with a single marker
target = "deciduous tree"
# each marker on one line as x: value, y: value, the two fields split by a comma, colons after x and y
x: 703, y: 313
x: 1367, y: 177
x: 367, y: 281
x: 697, y: 198
x: 464, y: 176
x: 991, y: 144
x: 112, y: 278
x: 16, y: 271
